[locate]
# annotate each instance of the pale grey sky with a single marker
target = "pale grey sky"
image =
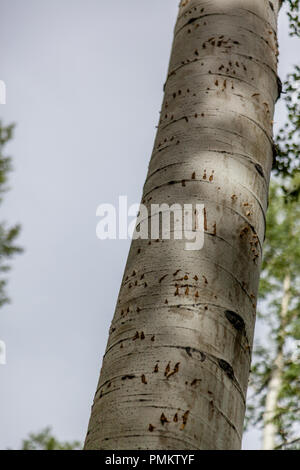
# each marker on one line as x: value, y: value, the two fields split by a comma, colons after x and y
x: 84, y: 85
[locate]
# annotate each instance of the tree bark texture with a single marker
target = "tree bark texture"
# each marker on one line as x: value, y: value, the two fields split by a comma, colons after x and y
x: 176, y: 367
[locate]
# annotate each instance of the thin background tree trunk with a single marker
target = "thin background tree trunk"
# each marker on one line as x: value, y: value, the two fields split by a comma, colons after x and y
x: 270, y: 430
x: 176, y: 367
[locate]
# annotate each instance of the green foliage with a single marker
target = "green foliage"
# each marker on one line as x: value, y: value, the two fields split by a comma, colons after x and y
x: 293, y: 14
x: 44, y: 440
x: 282, y: 249
x: 281, y: 259
x: 287, y: 143
x: 288, y: 139
x: 8, y: 235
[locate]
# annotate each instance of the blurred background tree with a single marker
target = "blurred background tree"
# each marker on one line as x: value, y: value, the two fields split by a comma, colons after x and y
x: 44, y: 440
x: 293, y: 14
x: 274, y: 402
x: 275, y: 379
x: 8, y: 235
x: 287, y: 141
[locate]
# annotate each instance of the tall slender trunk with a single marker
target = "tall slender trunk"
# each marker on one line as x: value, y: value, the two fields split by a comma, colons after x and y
x: 176, y: 367
x: 270, y: 430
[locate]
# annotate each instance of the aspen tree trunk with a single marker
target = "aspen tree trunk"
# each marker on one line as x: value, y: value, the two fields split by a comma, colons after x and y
x: 176, y: 367
x: 270, y: 430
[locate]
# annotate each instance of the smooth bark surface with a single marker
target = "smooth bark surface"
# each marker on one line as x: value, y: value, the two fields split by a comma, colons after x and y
x: 176, y: 367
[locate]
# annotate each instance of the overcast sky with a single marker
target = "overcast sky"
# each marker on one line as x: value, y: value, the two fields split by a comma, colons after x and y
x: 84, y: 85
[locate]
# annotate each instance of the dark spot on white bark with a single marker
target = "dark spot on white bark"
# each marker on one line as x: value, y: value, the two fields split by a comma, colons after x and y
x: 189, y: 352
x: 184, y: 419
x: 227, y: 368
x: 194, y: 382
x: 163, y: 419
x: 144, y: 380
x: 259, y: 170
x: 128, y: 377
x: 236, y: 320
x: 279, y: 85
x: 136, y: 336
x: 162, y: 278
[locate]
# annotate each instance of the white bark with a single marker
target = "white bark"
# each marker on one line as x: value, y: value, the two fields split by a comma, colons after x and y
x: 176, y: 367
x: 270, y: 430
